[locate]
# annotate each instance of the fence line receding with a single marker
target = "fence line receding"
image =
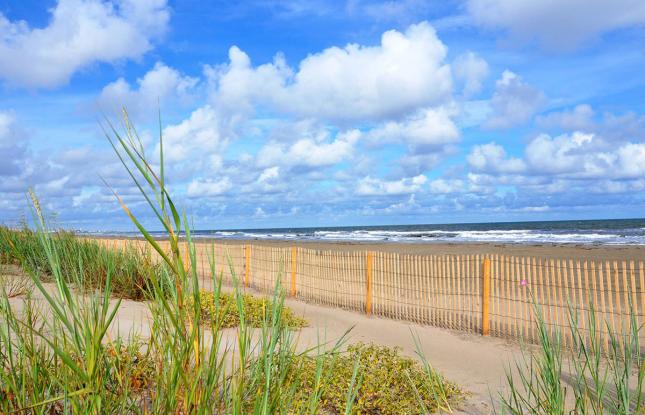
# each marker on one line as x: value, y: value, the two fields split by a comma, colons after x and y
x: 487, y: 294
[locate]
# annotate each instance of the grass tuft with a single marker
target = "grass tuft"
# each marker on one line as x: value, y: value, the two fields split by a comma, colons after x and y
x: 80, y: 260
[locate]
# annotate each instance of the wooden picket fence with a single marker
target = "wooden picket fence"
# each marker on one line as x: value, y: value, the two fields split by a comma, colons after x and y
x: 487, y: 294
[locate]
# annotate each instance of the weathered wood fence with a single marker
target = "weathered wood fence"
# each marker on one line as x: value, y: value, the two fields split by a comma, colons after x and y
x: 487, y: 294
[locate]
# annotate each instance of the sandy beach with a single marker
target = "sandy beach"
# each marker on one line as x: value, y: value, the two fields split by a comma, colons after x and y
x: 568, y: 251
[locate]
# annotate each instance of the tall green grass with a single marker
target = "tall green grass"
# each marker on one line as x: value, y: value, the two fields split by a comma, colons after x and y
x: 60, y: 358
x: 80, y: 260
x: 581, y: 380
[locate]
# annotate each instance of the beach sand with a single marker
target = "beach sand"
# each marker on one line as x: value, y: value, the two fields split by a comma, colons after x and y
x: 590, y: 252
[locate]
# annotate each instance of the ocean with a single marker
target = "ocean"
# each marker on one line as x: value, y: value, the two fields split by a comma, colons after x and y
x: 586, y: 232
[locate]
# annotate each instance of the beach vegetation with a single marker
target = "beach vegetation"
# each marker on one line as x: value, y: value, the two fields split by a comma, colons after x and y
x: 256, y: 310
x: 551, y: 379
x: 82, y: 261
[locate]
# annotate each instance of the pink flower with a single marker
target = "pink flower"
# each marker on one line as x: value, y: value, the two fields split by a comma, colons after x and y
x: 524, y: 282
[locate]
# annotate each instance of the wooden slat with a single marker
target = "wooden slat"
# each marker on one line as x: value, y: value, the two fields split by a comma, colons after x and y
x: 565, y: 273
x: 602, y: 316
x: 619, y: 307
x: 368, y: 276
x: 486, y: 297
x: 610, y: 296
x: 641, y: 274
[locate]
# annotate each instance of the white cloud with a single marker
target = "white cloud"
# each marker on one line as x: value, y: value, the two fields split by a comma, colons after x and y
x: 354, y: 83
x: 514, y: 102
x: 429, y: 127
x: 584, y: 155
x: 576, y: 155
x: 491, y: 158
x: 558, y: 24
x: 578, y: 118
x: 309, y: 152
x: 160, y: 84
x: 429, y: 134
x: 447, y: 186
x: 269, y: 174
x: 197, y: 138
x: 259, y: 213
x: 563, y: 154
x: 12, y: 145
x: 206, y: 188
x: 370, y: 186
x: 237, y: 86
x: 471, y: 70
x: 79, y: 33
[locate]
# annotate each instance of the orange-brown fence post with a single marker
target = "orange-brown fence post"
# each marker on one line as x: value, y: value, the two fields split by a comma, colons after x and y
x: 294, y: 253
x: 368, y: 294
x: 247, y: 264
x: 486, y: 297
x: 187, y: 258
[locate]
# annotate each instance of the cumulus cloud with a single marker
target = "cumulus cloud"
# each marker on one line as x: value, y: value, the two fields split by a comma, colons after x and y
x: 429, y: 134
x: 237, y: 86
x: 195, y: 139
x: 471, y: 70
x: 426, y: 128
x: 160, y: 84
x: 12, y: 145
x: 558, y: 24
x: 514, y: 102
x: 79, y: 33
x: 353, y: 83
x: 309, y: 152
x: 207, y: 188
x: 446, y: 186
x: 576, y: 155
x: 492, y: 158
x: 582, y: 155
x: 578, y: 118
x: 370, y: 186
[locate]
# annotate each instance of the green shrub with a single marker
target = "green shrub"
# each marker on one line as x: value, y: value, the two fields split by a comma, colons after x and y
x: 390, y: 383
x: 257, y: 310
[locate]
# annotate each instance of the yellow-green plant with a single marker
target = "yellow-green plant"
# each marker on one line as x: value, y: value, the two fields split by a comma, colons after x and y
x: 388, y: 384
x: 256, y: 310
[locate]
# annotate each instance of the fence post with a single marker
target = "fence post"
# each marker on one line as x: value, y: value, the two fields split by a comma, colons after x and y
x: 486, y: 297
x: 368, y: 296
x: 294, y: 253
x: 187, y: 258
x: 247, y: 264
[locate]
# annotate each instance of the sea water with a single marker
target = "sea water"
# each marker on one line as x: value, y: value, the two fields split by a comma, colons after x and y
x: 587, y: 232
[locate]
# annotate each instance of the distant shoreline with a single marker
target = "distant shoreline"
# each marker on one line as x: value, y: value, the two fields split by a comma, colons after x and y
x: 544, y: 250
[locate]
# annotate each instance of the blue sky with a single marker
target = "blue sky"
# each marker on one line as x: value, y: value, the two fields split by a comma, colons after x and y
x: 324, y: 113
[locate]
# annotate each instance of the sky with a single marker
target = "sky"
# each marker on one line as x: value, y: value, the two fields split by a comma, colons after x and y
x: 300, y: 113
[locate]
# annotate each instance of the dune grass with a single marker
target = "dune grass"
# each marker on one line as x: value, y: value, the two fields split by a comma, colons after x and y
x: 596, y: 382
x: 60, y: 358
x: 81, y: 261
